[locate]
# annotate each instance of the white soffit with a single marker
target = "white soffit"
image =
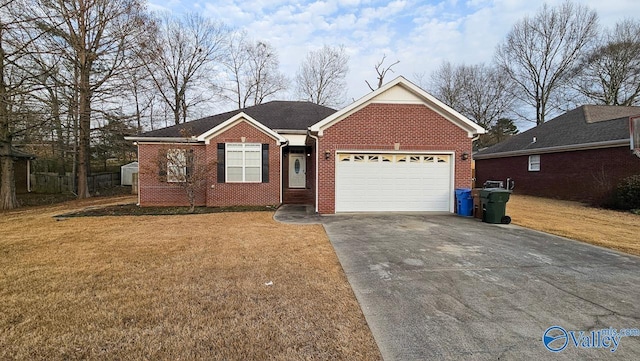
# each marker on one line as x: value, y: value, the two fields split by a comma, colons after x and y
x: 295, y: 139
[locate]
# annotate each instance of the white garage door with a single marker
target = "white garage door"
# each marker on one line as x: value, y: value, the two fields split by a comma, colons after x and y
x: 393, y: 182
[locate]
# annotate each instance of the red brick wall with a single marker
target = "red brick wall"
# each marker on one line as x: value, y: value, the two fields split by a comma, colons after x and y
x: 224, y: 194
x: 154, y: 191
x: 587, y: 175
x: 378, y: 127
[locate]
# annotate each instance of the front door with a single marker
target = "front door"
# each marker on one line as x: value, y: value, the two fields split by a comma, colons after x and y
x: 297, y: 171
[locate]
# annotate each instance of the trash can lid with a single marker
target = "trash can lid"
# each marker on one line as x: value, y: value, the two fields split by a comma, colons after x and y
x: 463, y: 193
x: 499, y: 195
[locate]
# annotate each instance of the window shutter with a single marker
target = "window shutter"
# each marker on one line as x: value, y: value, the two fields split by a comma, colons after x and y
x: 221, y: 178
x: 190, y: 163
x: 265, y: 163
x: 162, y: 165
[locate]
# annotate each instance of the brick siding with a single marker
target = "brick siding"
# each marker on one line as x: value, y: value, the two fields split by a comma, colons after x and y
x: 155, y: 192
x: 248, y: 194
x: 377, y: 127
x: 587, y: 175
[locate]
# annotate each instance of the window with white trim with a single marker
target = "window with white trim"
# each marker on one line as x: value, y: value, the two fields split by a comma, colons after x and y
x: 634, y: 128
x: 243, y: 162
x: 176, y: 165
x: 534, y: 163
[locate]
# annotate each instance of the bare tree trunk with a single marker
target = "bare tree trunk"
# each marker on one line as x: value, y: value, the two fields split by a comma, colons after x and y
x: 8, y: 186
x: 84, y: 167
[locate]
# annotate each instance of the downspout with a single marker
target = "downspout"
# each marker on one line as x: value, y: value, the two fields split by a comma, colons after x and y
x: 316, y: 166
x: 473, y: 179
x: 282, y: 145
x: 138, y: 185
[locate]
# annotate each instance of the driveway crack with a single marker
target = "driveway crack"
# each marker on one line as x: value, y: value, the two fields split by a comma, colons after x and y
x: 611, y: 312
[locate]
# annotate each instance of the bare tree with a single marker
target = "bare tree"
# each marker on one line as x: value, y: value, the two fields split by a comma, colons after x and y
x: 321, y: 76
x: 382, y: 72
x: 610, y: 73
x: 540, y: 52
x: 19, y: 111
x: 140, y: 94
x: 181, y: 59
x: 253, y: 69
x: 447, y: 84
x: 479, y: 92
x: 95, y: 37
x: 265, y: 77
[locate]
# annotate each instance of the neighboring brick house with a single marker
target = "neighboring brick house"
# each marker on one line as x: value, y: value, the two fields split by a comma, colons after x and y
x: 580, y: 155
x: 396, y: 149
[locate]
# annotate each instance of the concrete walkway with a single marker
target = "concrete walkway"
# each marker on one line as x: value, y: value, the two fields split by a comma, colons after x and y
x: 297, y: 214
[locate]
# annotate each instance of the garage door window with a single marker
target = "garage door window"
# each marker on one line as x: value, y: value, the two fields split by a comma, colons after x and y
x: 393, y: 158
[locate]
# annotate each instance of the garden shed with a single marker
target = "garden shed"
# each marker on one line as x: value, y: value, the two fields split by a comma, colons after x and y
x: 126, y: 173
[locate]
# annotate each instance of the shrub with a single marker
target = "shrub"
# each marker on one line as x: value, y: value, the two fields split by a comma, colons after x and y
x: 628, y: 193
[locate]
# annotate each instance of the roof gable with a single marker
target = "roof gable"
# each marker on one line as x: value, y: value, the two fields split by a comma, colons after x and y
x: 400, y: 91
x: 233, y: 121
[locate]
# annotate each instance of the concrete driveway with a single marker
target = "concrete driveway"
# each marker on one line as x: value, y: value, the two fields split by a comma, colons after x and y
x: 446, y: 287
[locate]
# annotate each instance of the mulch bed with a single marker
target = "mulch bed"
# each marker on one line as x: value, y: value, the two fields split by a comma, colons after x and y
x: 134, y: 210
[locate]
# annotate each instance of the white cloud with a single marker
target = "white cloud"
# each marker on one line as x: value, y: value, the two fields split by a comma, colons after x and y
x: 420, y: 35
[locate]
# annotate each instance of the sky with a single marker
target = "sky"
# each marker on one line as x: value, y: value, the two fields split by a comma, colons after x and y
x: 419, y: 34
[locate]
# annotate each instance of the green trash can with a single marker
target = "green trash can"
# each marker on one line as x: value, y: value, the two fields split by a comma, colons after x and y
x: 494, y: 205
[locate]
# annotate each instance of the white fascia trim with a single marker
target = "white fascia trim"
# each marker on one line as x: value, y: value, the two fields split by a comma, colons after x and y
x: 138, y: 158
x: 433, y: 103
x: 282, y: 145
x: 557, y: 149
x: 144, y: 140
x: 316, y: 166
x: 242, y: 116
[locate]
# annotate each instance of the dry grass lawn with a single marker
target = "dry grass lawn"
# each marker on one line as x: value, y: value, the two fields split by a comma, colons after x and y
x: 602, y: 227
x: 173, y: 288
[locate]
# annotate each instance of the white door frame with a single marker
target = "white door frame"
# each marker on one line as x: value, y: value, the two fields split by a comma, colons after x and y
x: 298, y: 180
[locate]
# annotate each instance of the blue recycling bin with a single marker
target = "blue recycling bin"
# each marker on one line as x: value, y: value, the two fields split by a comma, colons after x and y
x: 464, y: 202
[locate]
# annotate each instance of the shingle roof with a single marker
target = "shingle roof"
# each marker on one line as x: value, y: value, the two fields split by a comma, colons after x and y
x: 583, y: 125
x: 17, y: 153
x: 280, y: 115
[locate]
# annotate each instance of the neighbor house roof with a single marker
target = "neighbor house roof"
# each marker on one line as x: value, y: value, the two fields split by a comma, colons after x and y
x: 276, y: 115
x: 586, y: 127
x: 17, y: 153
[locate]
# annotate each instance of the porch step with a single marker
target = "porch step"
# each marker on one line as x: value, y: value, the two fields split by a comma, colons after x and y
x: 297, y: 196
